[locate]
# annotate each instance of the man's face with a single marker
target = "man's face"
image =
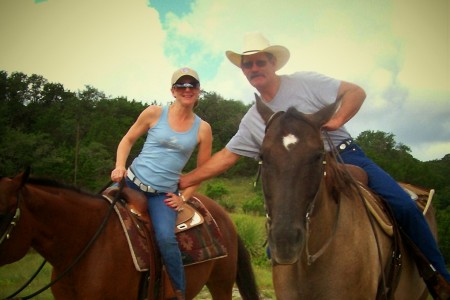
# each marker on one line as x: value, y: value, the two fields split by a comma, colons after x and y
x: 259, y: 69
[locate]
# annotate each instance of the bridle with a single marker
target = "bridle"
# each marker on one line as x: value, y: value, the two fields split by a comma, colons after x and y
x: 311, y: 258
x: 12, y: 219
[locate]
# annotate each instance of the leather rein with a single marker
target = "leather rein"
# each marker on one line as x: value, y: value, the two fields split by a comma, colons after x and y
x: 311, y: 258
x: 13, y: 219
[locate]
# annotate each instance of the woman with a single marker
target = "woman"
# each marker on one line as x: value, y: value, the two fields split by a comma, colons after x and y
x: 172, y: 134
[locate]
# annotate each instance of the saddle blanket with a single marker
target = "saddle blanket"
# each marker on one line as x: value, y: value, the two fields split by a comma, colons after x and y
x: 198, y: 244
x: 378, y: 210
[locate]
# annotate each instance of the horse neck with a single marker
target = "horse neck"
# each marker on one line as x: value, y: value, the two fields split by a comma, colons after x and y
x: 63, y: 220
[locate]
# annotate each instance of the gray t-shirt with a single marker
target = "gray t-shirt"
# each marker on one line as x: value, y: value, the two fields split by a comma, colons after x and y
x: 308, y: 92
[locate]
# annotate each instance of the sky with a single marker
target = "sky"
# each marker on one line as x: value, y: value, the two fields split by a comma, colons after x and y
x: 398, y: 51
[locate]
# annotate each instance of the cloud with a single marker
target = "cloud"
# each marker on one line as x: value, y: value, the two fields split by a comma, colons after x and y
x: 114, y: 46
x: 398, y: 51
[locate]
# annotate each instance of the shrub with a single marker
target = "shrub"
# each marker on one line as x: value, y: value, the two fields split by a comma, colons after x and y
x: 229, y: 205
x: 253, y: 235
x: 254, y: 206
x: 216, y: 191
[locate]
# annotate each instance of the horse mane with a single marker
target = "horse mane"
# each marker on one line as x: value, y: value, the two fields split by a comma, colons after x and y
x: 56, y: 184
x: 338, y: 179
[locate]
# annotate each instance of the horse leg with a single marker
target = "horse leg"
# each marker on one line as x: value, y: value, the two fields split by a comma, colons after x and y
x: 221, y: 290
x: 196, y: 278
x: 220, y: 283
x: 285, y: 281
x: 212, y: 273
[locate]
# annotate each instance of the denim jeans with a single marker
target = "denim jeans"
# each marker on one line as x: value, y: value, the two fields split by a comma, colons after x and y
x: 163, y: 219
x: 405, y: 211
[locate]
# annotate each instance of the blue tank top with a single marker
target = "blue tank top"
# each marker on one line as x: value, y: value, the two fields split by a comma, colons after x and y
x: 164, y: 154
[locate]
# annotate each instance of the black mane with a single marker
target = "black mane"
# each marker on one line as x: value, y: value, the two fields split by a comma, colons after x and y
x: 56, y: 184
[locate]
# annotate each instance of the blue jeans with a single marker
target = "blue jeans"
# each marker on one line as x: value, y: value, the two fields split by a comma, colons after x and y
x: 164, y: 220
x: 405, y: 211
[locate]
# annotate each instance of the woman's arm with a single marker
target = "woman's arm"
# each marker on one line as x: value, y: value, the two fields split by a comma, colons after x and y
x: 139, y: 128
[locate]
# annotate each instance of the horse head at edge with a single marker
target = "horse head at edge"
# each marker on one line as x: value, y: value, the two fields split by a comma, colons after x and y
x: 10, y: 215
x: 292, y: 153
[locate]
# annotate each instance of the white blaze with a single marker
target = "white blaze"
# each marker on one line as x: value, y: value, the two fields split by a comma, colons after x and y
x: 289, y: 140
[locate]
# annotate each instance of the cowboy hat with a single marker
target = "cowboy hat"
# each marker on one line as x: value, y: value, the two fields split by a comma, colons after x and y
x: 255, y: 42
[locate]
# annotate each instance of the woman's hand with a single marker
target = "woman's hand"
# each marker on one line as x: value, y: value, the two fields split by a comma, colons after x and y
x: 117, y: 174
x: 174, y: 201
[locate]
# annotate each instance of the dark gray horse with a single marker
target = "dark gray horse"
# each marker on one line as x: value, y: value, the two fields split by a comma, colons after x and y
x: 322, y: 243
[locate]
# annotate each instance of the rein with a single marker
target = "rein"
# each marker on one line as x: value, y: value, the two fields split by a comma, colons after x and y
x: 75, y: 261
x: 310, y: 259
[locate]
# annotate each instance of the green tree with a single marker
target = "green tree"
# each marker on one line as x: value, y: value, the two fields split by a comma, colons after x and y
x: 224, y: 116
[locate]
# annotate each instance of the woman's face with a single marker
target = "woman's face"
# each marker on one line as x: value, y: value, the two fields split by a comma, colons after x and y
x: 186, y: 90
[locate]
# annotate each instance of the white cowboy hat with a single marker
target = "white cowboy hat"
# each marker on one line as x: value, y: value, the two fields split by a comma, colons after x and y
x: 255, y: 42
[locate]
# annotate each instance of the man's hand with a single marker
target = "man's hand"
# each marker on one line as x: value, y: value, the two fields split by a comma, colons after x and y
x: 184, y: 182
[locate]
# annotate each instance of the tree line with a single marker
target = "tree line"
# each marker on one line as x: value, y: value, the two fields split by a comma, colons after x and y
x: 73, y: 137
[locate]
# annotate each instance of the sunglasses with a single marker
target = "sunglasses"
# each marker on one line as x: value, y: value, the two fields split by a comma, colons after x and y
x: 249, y: 64
x: 191, y: 85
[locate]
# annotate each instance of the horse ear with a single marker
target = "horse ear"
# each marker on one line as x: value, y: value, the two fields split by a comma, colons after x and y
x: 23, y: 177
x: 323, y: 115
x: 263, y: 109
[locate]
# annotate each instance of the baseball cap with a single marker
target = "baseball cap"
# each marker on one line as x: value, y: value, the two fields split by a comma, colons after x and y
x: 185, y: 71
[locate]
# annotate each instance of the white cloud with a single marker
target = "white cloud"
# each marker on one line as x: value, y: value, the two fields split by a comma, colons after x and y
x: 115, y: 46
x: 398, y: 51
x: 425, y: 31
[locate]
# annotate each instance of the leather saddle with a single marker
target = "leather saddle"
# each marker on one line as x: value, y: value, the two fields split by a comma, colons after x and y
x: 136, y: 201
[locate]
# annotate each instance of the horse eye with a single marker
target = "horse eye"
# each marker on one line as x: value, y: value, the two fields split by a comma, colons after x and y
x: 319, y: 155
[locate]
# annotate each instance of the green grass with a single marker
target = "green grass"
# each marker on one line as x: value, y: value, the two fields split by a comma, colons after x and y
x: 14, y: 275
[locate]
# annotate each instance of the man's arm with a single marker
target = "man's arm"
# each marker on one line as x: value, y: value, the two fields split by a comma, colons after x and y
x: 352, y: 97
x: 217, y: 164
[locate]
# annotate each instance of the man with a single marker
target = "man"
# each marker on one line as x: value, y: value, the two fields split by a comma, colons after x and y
x: 308, y: 92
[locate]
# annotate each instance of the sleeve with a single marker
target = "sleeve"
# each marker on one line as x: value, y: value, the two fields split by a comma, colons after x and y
x: 248, y: 139
x: 324, y: 88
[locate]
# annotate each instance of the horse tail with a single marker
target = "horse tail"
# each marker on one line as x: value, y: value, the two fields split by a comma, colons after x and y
x: 245, y: 278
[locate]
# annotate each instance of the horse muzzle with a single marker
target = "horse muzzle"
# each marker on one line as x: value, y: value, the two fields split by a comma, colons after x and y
x: 286, y: 249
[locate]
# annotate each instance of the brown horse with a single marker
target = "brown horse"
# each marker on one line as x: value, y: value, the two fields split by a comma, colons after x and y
x: 322, y: 242
x: 58, y: 221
